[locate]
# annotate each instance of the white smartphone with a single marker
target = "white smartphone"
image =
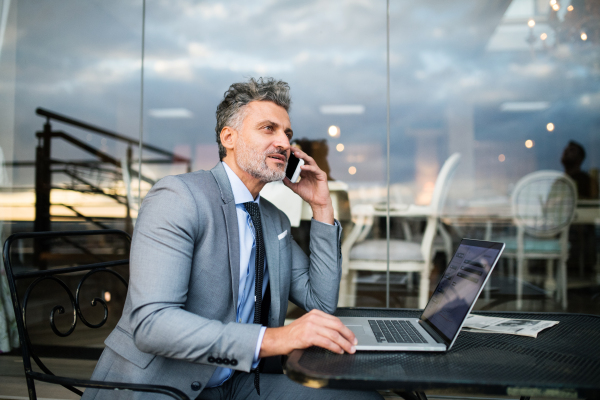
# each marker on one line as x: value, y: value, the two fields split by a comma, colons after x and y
x: 293, y: 167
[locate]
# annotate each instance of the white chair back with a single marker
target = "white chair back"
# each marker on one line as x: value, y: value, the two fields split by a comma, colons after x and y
x: 544, y: 202
x: 440, y: 192
x: 442, y: 183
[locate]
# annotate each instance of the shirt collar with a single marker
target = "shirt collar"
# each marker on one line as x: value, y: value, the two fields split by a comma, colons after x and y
x: 241, y: 194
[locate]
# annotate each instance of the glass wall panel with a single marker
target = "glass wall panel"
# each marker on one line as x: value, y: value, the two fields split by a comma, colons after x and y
x: 507, y: 85
x: 80, y: 61
x: 511, y: 87
x: 70, y: 106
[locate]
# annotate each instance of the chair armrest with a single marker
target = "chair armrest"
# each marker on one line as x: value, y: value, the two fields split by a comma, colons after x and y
x: 166, y: 390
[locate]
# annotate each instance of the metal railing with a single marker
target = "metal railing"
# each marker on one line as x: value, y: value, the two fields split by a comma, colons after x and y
x: 80, y: 171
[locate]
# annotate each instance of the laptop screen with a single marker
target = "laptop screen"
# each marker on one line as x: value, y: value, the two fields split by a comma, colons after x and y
x: 459, y: 286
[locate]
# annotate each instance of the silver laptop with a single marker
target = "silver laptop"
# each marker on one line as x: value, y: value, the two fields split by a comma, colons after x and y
x: 443, y: 317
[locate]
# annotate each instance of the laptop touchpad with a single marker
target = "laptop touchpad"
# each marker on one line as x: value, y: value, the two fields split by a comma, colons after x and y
x: 356, y: 329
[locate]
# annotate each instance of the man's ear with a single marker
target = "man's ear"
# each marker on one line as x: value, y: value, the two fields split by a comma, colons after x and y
x: 229, y: 137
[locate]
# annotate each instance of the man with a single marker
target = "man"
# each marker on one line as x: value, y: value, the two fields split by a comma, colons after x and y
x: 571, y: 159
x: 582, y: 237
x: 196, y: 257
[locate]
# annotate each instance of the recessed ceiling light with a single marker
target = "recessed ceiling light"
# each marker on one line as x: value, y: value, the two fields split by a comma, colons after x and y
x: 170, y: 113
x: 522, y: 106
x: 342, y: 109
x: 333, y: 131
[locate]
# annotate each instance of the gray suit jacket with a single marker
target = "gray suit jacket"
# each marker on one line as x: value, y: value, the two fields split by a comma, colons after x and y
x: 179, y: 315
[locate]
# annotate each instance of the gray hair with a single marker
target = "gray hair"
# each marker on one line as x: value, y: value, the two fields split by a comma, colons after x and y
x: 231, y: 111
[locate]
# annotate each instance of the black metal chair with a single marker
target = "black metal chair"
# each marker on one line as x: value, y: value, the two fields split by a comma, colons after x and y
x: 63, y: 276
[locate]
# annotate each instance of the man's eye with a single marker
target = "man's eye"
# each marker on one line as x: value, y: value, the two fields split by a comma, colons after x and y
x: 269, y: 127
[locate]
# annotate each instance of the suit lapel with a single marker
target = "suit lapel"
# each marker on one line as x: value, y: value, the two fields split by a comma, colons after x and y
x: 233, y: 244
x: 272, y: 249
x: 231, y: 223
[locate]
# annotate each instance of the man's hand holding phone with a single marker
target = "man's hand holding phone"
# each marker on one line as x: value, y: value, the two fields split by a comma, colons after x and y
x: 293, y: 169
x: 313, y: 187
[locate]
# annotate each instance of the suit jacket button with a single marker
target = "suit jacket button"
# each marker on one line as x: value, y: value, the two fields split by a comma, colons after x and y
x: 196, y: 386
x: 211, y: 359
x: 233, y: 362
x: 219, y: 360
x: 226, y: 361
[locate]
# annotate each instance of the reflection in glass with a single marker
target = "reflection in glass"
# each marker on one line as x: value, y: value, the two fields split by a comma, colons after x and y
x: 507, y: 84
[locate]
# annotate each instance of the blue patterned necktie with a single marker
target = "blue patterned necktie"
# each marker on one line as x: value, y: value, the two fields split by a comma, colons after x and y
x: 259, y: 262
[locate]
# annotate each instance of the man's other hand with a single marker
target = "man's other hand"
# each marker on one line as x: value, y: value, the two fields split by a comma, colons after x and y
x: 315, y: 328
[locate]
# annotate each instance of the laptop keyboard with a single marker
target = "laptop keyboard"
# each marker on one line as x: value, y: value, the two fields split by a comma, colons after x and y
x: 391, y: 331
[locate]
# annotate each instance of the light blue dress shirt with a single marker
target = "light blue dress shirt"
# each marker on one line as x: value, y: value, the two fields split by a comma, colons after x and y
x: 245, y: 303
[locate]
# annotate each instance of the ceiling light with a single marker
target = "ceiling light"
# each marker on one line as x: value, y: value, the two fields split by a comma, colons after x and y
x: 333, y: 131
x: 543, y: 36
x: 555, y: 7
x: 170, y: 113
x: 521, y: 106
x: 583, y: 36
x: 531, y: 23
x: 343, y: 109
x: 501, y: 158
x: 529, y: 143
x: 550, y: 127
x: 339, y: 147
x: 570, y: 8
x: 352, y: 170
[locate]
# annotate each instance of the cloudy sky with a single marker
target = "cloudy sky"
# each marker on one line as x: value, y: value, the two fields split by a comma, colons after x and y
x: 82, y: 59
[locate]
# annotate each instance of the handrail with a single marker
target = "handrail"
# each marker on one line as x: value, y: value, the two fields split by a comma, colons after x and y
x: 44, y: 163
x: 68, y: 120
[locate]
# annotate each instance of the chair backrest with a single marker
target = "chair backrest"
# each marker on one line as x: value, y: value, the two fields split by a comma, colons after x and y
x: 544, y: 203
x: 39, y: 281
x: 442, y: 183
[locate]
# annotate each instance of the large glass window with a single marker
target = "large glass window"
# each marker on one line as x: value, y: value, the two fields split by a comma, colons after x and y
x: 70, y: 96
x: 481, y: 95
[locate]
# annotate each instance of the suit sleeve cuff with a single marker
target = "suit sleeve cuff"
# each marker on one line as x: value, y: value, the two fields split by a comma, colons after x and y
x: 335, y: 222
x: 261, y: 335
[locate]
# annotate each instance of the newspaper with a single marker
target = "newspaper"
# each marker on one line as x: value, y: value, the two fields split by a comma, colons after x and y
x: 523, y: 327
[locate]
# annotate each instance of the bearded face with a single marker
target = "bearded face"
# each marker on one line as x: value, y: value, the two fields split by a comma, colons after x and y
x: 255, y: 162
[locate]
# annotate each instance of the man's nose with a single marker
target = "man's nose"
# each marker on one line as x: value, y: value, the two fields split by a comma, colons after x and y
x: 282, y: 141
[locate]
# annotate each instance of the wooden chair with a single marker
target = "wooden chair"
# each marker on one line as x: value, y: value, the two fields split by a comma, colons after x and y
x: 67, y: 278
x: 359, y: 253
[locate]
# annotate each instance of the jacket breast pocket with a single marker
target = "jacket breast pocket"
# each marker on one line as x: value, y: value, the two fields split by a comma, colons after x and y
x: 122, y: 343
x: 285, y: 251
x: 284, y: 244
